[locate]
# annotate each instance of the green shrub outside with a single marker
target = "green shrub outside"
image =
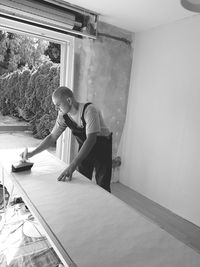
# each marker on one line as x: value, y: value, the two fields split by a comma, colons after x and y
x: 27, y: 94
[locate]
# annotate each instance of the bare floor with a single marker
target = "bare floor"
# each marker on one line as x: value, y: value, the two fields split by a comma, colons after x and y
x: 14, y: 134
x: 7, y: 120
x: 181, y: 229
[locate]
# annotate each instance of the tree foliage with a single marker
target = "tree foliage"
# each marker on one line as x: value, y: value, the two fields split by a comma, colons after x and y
x: 17, y: 51
x: 53, y: 51
x: 26, y: 94
x: 28, y: 76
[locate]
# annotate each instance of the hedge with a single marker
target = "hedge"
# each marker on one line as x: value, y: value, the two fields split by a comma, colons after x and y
x: 27, y: 94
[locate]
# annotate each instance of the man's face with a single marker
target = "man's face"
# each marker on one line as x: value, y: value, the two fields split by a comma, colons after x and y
x: 63, y: 105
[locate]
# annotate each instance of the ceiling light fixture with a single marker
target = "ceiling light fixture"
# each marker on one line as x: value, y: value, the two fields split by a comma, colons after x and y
x: 192, y: 5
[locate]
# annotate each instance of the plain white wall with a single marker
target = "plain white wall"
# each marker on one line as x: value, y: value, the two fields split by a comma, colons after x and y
x: 161, y: 140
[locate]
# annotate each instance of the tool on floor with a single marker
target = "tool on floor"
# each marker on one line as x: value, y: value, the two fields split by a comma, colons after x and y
x: 23, y: 164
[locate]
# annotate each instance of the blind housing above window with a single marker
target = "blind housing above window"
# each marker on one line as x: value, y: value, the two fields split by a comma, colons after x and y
x: 56, y: 15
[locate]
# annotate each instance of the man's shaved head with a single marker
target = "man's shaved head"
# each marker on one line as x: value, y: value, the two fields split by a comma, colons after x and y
x: 62, y: 92
x: 63, y: 99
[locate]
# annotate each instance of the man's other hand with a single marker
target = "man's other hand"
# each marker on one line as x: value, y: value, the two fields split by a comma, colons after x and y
x: 66, y: 175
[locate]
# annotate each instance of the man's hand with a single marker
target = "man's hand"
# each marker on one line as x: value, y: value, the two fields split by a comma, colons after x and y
x: 26, y: 155
x: 66, y: 175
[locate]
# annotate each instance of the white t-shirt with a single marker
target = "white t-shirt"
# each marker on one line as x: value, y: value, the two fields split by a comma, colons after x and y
x: 93, y: 118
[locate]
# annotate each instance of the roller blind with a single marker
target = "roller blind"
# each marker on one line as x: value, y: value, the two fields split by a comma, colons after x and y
x: 56, y: 15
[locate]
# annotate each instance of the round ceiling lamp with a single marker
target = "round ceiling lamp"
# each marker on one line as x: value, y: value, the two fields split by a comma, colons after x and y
x: 192, y: 5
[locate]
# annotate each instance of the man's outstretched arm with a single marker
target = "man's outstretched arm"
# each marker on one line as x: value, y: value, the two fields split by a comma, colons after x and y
x: 46, y: 143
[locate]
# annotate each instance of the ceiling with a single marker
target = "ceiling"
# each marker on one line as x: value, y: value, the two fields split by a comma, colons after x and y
x: 136, y: 15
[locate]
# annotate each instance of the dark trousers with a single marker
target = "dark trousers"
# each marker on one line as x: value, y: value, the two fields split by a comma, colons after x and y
x: 100, y: 160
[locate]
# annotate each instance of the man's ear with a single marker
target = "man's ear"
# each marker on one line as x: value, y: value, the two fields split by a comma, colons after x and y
x: 69, y: 100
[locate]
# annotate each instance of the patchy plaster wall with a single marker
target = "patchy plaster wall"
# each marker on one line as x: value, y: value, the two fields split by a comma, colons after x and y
x: 102, y: 75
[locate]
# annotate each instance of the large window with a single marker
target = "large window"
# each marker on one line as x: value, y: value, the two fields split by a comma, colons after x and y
x: 66, y: 44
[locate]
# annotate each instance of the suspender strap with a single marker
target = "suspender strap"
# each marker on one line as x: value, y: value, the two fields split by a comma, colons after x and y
x: 82, y: 117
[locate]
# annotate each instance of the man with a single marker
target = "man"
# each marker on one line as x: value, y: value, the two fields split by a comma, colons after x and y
x: 94, y: 138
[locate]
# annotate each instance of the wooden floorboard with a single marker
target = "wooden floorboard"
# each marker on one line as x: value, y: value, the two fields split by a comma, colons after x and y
x: 180, y: 228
